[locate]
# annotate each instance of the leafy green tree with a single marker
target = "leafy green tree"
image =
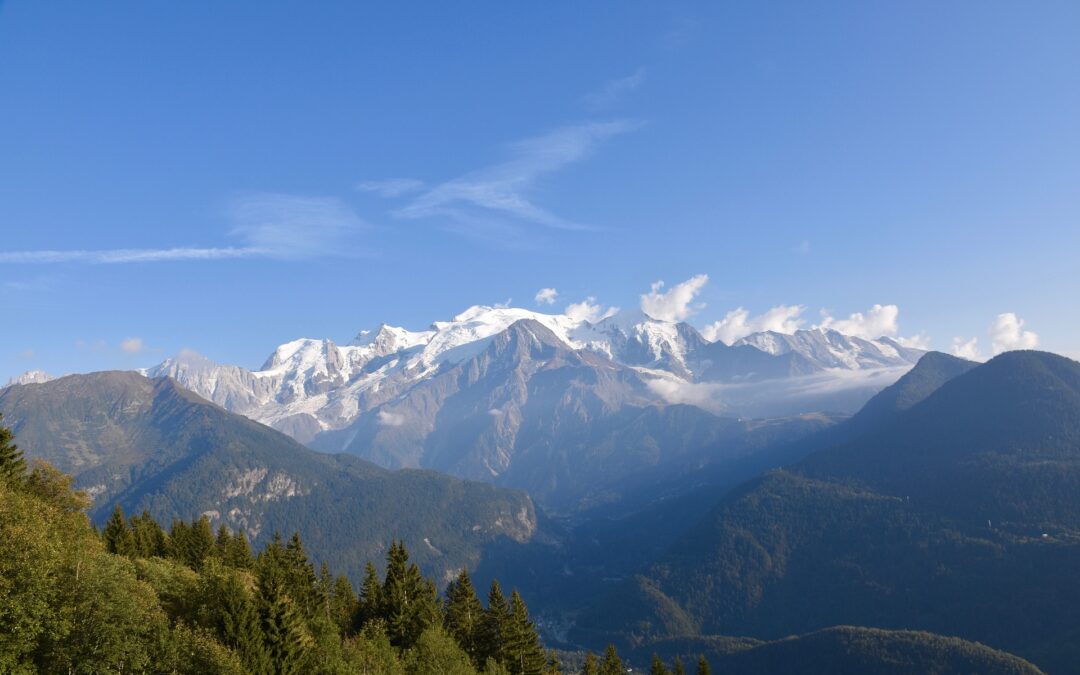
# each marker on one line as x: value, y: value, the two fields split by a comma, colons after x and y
x: 612, y: 664
x: 12, y: 463
x: 679, y: 669
x: 117, y: 537
x: 703, y: 666
x: 464, y: 615
x: 657, y: 667
x: 436, y: 653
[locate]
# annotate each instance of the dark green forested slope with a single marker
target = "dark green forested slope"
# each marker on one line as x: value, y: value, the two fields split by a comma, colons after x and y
x: 958, y: 516
x: 151, y: 445
x: 140, y: 600
x: 845, y: 650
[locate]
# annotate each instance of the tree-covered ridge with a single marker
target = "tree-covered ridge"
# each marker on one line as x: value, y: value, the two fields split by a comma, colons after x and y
x: 958, y: 516
x: 138, y: 599
x: 151, y: 445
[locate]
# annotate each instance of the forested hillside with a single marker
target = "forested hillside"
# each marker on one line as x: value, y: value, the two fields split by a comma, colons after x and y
x: 957, y: 516
x: 139, y: 599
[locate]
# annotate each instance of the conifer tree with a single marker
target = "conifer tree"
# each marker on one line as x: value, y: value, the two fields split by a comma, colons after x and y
x: 370, y: 606
x: 302, y: 582
x: 553, y: 665
x: 221, y: 541
x: 703, y: 666
x: 657, y: 667
x: 464, y: 616
x: 239, y: 625
x: 238, y: 552
x: 611, y: 664
x: 286, y: 638
x: 12, y: 462
x: 179, y: 541
x: 521, y: 645
x: 117, y: 537
x: 200, y: 543
x: 590, y: 666
x: 149, y: 538
x: 496, y: 625
x: 679, y: 669
x: 409, y: 601
x: 342, y: 603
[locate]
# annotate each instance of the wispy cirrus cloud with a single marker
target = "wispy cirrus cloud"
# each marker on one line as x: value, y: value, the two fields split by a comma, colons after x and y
x: 498, y: 200
x: 266, y: 225
x: 615, y: 90
x: 391, y: 187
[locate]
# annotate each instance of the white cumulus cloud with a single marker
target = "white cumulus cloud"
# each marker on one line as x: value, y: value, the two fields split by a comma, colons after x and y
x: 738, y: 323
x: 677, y: 303
x: 546, y: 296
x: 966, y: 349
x: 1007, y: 333
x: 589, y: 310
x: 879, y: 321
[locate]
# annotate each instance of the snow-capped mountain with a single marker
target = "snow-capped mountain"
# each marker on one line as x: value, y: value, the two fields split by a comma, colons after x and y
x: 30, y: 377
x: 309, y: 386
x: 828, y: 348
x: 499, y: 393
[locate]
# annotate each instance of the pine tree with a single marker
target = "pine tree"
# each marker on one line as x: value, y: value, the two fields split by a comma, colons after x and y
x: 238, y: 552
x: 703, y: 666
x: 495, y: 625
x: 201, y: 542
x: 679, y: 669
x: 222, y: 541
x: 302, y: 582
x: 342, y: 603
x: 524, y: 653
x: 464, y: 616
x: 150, y: 540
x: 657, y: 667
x: 370, y: 606
x: 117, y: 537
x: 239, y: 625
x: 410, y: 603
x: 590, y: 666
x: 286, y: 638
x: 612, y: 664
x: 12, y: 462
x: 553, y: 665
x: 179, y: 541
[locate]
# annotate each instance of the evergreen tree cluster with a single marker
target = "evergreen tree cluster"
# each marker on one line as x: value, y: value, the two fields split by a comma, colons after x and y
x: 139, y: 599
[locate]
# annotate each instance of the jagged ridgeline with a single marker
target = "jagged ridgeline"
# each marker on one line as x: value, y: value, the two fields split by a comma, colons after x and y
x: 152, y: 445
x: 139, y: 599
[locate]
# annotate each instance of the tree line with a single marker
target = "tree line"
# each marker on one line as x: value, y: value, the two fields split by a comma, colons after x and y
x: 136, y: 598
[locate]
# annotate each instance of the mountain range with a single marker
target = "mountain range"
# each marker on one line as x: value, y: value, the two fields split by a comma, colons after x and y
x: 539, y: 401
x: 951, y: 507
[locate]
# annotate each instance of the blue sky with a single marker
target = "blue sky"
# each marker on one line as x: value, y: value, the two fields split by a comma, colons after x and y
x: 228, y: 176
